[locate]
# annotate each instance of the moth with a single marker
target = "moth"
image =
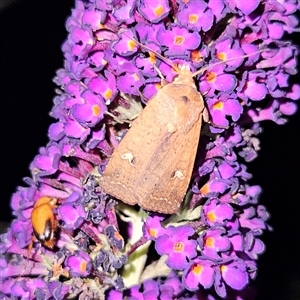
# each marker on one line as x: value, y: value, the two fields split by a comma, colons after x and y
x: 152, y: 166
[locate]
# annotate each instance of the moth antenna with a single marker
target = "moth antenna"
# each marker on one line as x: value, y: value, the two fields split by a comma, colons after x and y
x: 176, y: 69
x: 163, y: 80
x: 202, y: 70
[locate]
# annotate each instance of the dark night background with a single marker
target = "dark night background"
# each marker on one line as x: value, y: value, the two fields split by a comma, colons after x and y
x: 31, y: 34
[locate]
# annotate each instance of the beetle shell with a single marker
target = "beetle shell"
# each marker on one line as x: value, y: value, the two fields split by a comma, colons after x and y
x: 43, y: 221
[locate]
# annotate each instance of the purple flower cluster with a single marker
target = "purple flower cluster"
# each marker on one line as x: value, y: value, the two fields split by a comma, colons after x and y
x: 102, y: 247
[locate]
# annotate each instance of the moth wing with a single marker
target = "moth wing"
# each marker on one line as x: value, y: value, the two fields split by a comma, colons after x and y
x: 163, y: 185
x: 152, y: 165
x: 130, y: 157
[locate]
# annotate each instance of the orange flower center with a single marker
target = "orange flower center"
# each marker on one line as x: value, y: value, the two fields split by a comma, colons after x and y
x: 96, y: 110
x: 136, y: 77
x: 193, y: 18
x: 178, y: 40
x: 197, y: 269
x: 108, y: 94
x: 218, y: 105
x: 196, y: 56
x: 178, y: 247
x: 131, y: 44
x: 221, y: 56
x: 83, y: 266
x: 152, y: 232
x: 152, y: 57
x: 211, y: 216
x: 210, y: 76
x: 209, y: 242
x: 205, y: 189
x: 158, y: 11
x: 223, y: 268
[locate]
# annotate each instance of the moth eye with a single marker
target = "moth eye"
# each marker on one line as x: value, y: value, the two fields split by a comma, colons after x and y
x: 184, y: 98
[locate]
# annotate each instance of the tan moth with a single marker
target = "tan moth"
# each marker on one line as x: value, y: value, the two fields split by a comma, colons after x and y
x: 153, y: 163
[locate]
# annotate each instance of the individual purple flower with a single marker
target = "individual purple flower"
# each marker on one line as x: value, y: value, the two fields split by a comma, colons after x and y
x: 22, y: 202
x: 93, y: 18
x: 176, y: 244
x: 174, y: 282
x: 71, y: 212
x: 106, y: 87
x: 97, y: 61
x: 245, y: 7
x: 195, y: 15
x: 151, y: 90
x: 251, y: 87
x: 250, y: 194
x: 218, y: 7
x: 214, y: 241
x: 74, y: 130
x: 58, y: 289
x: 216, y: 213
x: 152, y: 227
x: 226, y: 170
x: 147, y: 32
x: 81, y: 41
x: 230, y: 52
x: 47, y: 160
x: 201, y: 272
x: 125, y: 12
x: 146, y: 64
x: 249, y: 219
x: 237, y: 241
x: 178, y: 40
x: 96, y: 138
x: 216, y: 79
x: 253, y: 52
x: 198, y: 56
x: 56, y: 131
x: 253, y: 245
x: 235, y: 274
x: 126, y: 46
x: 222, y: 107
x: 79, y: 263
x: 154, y: 11
x: 130, y: 83
x: 91, y: 111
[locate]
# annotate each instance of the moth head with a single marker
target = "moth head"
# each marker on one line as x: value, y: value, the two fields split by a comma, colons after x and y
x: 185, y: 76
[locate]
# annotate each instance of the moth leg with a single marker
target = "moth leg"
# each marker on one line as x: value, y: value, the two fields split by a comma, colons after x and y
x: 127, y: 112
x: 116, y: 119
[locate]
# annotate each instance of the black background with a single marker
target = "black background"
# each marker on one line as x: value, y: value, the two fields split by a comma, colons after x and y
x: 31, y: 34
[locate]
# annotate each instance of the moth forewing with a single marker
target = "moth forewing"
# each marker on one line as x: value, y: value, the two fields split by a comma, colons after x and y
x: 153, y: 163
x: 162, y: 189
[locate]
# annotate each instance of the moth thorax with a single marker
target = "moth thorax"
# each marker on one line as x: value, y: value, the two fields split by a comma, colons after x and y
x: 185, y: 77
